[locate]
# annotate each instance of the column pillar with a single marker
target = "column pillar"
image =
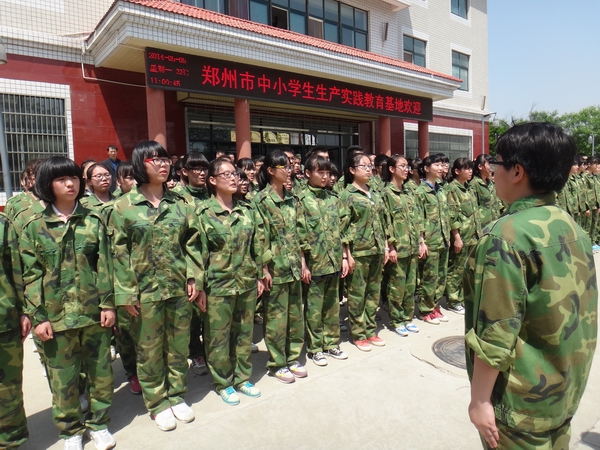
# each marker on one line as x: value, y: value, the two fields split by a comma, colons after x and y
x: 423, y: 139
x: 157, y: 120
x: 243, y: 136
x: 385, y: 135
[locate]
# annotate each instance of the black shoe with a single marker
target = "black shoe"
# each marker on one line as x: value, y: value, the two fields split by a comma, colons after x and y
x: 336, y: 353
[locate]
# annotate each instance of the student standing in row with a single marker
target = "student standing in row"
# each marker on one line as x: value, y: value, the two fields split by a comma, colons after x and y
x: 232, y: 254
x: 68, y: 295
x: 284, y: 268
x: 325, y: 262
x: 14, y: 328
x: 465, y: 230
x: 364, y: 229
x: 484, y: 190
x: 158, y: 272
x: 405, y: 220
x: 434, y: 268
x: 99, y: 180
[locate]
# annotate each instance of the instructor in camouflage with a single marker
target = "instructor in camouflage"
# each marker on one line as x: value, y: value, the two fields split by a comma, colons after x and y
x: 530, y: 300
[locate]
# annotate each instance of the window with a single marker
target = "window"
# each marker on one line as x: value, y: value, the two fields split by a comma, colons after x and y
x: 35, y: 127
x: 460, y: 69
x: 213, y: 5
x: 451, y: 145
x: 414, y: 51
x: 459, y: 8
x: 259, y: 11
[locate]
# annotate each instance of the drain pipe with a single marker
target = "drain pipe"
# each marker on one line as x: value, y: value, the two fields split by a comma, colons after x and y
x: 4, y: 158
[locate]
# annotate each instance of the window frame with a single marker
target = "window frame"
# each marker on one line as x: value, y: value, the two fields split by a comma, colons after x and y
x: 412, y: 52
x: 457, y: 6
x: 461, y: 70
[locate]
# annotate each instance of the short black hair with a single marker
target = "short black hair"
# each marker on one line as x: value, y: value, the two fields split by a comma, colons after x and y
x: 145, y: 149
x: 124, y: 170
x: 316, y: 162
x: 51, y: 169
x: 380, y: 159
x: 246, y: 164
x: 543, y: 149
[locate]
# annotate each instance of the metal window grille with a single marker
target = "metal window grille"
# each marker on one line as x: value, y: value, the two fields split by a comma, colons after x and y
x: 35, y: 127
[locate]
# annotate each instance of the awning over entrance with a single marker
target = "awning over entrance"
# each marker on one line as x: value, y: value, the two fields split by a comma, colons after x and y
x: 131, y: 26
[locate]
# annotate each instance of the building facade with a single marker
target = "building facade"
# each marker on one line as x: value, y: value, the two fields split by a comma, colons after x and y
x: 243, y: 76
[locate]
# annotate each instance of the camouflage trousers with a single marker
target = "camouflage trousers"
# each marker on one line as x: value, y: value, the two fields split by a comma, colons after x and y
x: 432, y: 275
x: 283, y: 324
x: 595, y: 228
x: 454, y: 280
x: 586, y: 222
x: 81, y: 350
x: 196, y: 348
x: 511, y: 439
x: 402, y: 279
x: 322, y: 313
x: 13, y: 424
x: 228, y: 328
x: 125, y: 342
x: 364, y: 288
x: 162, y: 333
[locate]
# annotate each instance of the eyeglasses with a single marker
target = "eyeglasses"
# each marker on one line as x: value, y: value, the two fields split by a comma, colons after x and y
x: 286, y: 168
x: 198, y: 170
x: 494, y: 163
x: 227, y: 175
x: 402, y: 166
x: 365, y: 166
x: 105, y: 176
x: 158, y: 161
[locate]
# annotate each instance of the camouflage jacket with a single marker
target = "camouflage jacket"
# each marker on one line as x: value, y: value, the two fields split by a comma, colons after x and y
x: 411, y: 186
x: 92, y: 202
x: 321, y: 231
x: 405, y: 219
x: 488, y: 203
x: 11, y: 282
x: 66, y: 268
x: 364, y: 222
x: 531, y: 313
x: 283, y: 219
x: 582, y: 194
x: 572, y: 195
x: 18, y: 203
x: 464, y: 212
x: 155, y: 250
x: 596, y: 184
x: 588, y: 182
x: 192, y: 195
x: 436, y: 217
x: 231, y: 247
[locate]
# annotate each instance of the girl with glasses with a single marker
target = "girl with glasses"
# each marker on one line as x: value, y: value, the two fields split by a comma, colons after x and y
x: 69, y: 298
x: 364, y: 226
x: 283, y: 268
x: 99, y: 181
x: 158, y: 272
x: 232, y: 253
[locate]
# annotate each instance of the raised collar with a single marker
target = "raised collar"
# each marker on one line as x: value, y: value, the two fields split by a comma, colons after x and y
x: 532, y: 201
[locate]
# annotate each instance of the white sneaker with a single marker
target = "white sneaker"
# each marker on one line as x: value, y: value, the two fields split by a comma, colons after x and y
x: 84, y: 403
x: 74, y: 443
x: 183, y: 412
x: 165, y: 420
x: 103, y: 440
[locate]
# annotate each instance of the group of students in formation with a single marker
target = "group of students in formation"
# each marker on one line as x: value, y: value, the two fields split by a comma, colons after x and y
x: 176, y: 273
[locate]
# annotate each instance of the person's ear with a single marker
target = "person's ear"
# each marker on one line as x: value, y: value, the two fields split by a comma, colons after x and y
x: 212, y: 180
x: 518, y: 173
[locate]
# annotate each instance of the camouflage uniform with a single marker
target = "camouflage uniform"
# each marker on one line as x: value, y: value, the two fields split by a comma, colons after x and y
x: 464, y: 217
x: 92, y: 202
x: 321, y: 232
x: 404, y: 213
x: 582, y: 200
x: 232, y: 253
x: 155, y: 252
x: 540, y: 333
x: 411, y: 186
x: 596, y: 231
x: 487, y: 201
x: 67, y: 282
x: 592, y: 202
x: 284, y: 323
x: 18, y: 203
x: 434, y: 268
x: 13, y: 424
x: 364, y: 226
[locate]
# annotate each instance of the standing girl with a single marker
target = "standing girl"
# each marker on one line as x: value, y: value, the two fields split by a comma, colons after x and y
x: 404, y: 213
x: 99, y: 181
x: 325, y: 261
x: 158, y: 272
x: 465, y: 230
x: 364, y: 229
x: 485, y: 192
x: 232, y: 253
x: 283, y: 270
x: 69, y: 298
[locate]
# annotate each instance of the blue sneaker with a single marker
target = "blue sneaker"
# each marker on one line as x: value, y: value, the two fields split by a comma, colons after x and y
x: 229, y: 396
x: 595, y: 247
x: 249, y: 389
x: 411, y: 327
x: 402, y: 331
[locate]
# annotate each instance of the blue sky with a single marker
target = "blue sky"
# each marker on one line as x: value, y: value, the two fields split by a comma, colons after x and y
x: 543, y: 54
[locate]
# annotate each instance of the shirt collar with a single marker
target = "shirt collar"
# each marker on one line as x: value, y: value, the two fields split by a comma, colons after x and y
x: 137, y: 198
x: 532, y: 201
x: 64, y: 218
